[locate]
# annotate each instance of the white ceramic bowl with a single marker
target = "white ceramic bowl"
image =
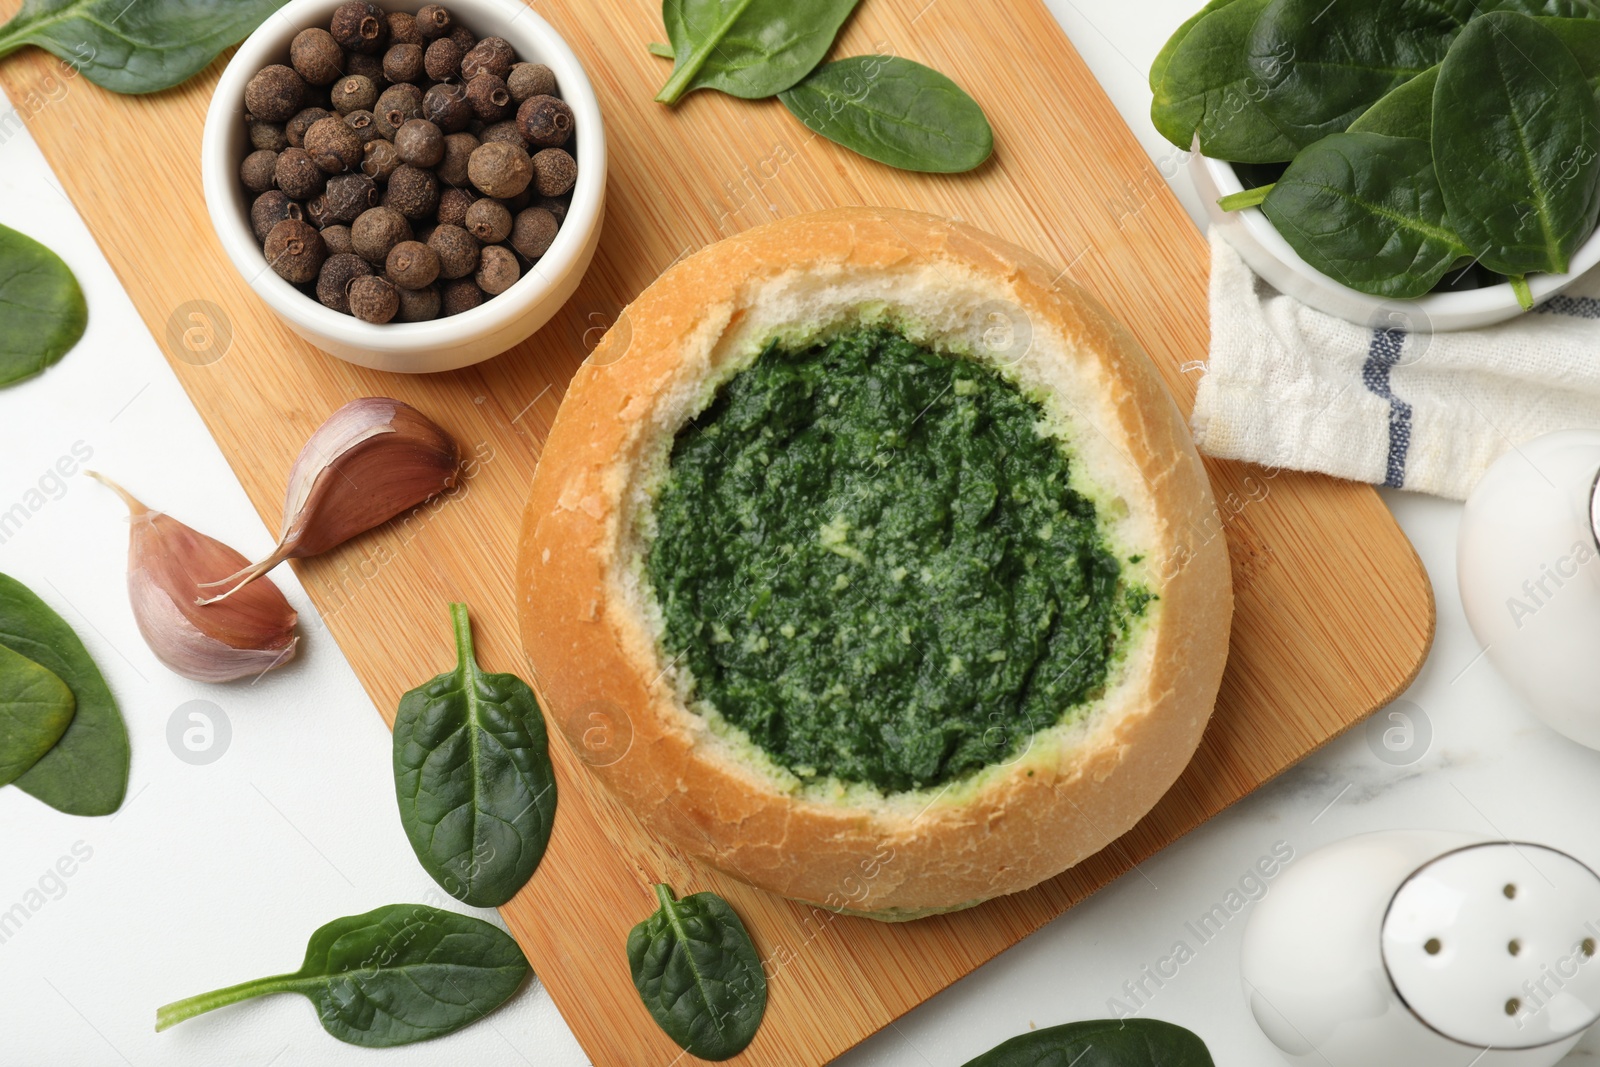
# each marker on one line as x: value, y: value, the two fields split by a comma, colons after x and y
x: 411, y: 347
x: 1270, y: 256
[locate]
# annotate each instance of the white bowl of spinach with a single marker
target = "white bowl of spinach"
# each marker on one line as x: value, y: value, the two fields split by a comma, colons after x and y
x: 1433, y: 163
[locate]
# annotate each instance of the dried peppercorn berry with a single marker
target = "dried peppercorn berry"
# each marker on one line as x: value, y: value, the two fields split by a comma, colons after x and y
x: 489, y: 221
x: 365, y: 125
x: 295, y: 129
x: 500, y: 169
x: 530, y: 79
x: 445, y: 105
x: 463, y: 38
x: 257, y: 172
x: 413, y: 192
x: 373, y: 299
x: 505, y: 131
x: 556, y: 205
x: 379, y: 160
x: 398, y: 105
x: 545, y: 121
x: 458, y: 149
x: 333, y: 145
x: 369, y: 67
x: 442, y: 60
x: 359, y: 27
x: 492, y: 55
x: 419, y: 143
x: 403, y: 29
x: 498, y: 270
x: 336, y: 239
x: 457, y: 249
x: 376, y: 231
x: 453, y: 205
x: 418, y: 305
x: 316, y: 56
x: 271, y: 208
x: 295, y: 251
x: 274, y: 93
x: 412, y: 265
x: 333, y: 282
x: 434, y: 21
x: 298, y: 174
x: 533, y: 232
x: 355, y: 93
x: 458, y: 296
x: 348, y: 195
x: 489, y: 97
x: 554, y: 172
x: 268, y: 136
x: 403, y: 62
x: 317, y: 211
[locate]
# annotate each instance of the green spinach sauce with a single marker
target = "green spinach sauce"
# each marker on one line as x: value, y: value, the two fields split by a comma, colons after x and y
x: 874, y: 564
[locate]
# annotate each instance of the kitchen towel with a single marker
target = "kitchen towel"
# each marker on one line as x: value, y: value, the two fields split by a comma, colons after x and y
x: 1289, y: 386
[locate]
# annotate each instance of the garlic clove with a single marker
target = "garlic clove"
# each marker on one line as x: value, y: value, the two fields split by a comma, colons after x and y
x: 373, y: 459
x: 249, y: 635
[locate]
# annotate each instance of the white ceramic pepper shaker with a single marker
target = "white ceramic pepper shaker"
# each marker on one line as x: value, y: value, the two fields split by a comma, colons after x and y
x: 1528, y: 564
x: 1426, y: 949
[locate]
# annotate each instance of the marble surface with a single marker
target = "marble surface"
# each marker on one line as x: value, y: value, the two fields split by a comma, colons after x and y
x: 216, y: 872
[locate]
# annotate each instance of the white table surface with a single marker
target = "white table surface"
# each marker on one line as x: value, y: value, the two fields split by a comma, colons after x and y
x: 211, y: 874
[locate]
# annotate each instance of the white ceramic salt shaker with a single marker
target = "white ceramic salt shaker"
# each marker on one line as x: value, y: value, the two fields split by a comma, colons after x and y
x: 1528, y: 564
x: 1426, y: 949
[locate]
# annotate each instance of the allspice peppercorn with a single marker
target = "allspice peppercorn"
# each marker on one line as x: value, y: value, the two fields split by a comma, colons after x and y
x: 348, y: 196
x: 453, y: 205
x: 379, y: 160
x: 492, y: 55
x: 333, y: 145
x: 533, y: 232
x: 419, y: 143
x: 459, y: 296
x: 463, y: 39
x: 457, y: 250
x: 373, y: 299
x: 413, y: 192
x: 368, y: 67
x: 257, y: 172
x: 546, y: 121
x: 365, y: 125
x: 498, y: 270
x: 295, y: 251
x: 458, y: 149
x: 403, y: 29
x: 442, y: 60
x: 316, y: 56
x: 317, y: 211
x: 500, y: 169
x: 355, y: 93
x: 271, y: 208
x: 268, y: 136
x: 433, y: 21
x: 556, y: 205
x: 412, y: 265
x: 554, y: 172
x: 298, y: 174
x: 530, y: 79
x: 336, y: 239
x: 333, y: 282
x: 489, y: 97
x: 489, y: 221
x: 274, y: 93
x: 376, y: 231
x: 403, y: 62
x: 506, y: 131
x: 359, y: 27
x: 398, y: 105
x: 418, y: 305
x: 295, y: 129
x: 445, y: 105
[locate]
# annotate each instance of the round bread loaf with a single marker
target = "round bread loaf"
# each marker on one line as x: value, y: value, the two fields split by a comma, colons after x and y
x: 594, y: 629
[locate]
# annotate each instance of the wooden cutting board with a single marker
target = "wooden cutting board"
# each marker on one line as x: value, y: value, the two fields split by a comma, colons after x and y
x: 1335, y: 612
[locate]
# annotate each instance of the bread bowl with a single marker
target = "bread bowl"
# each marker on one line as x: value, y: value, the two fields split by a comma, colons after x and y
x: 872, y: 729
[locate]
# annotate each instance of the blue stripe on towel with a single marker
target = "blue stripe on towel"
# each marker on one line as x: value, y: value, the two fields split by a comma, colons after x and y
x: 1384, y: 353
x: 1576, y: 307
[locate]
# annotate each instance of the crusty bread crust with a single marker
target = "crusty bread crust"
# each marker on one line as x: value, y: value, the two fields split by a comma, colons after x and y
x: 591, y: 627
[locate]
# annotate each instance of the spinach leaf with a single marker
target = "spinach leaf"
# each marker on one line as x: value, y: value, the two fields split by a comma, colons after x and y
x: 35, y: 709
x: 398, y: 974
x: 1101, y: 1043
x: 1562, y: 9
x: 86, y: 773
x: 1211, y: 92
x: 1582, y: 38
x: 1158, y: 68
x: 1336, y: 63
x: 1365, y: 209
x: 473, y: 777
x: 42, y: 313
x: 1516, y: 142
x: 894, y: 111
x: 747, y: 48
x: 1406, y: 111
x: 138, y: 47
x: 698, y: 974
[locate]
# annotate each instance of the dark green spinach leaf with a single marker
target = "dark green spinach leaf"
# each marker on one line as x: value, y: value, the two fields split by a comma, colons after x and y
x: 36, y: 708
x: 1582, y: 38
x: 1365, y: 209
x: 1516, y: 143
x: 1562, y: 9
x: 401, y: 973
x: 42, y: 313
x: 86, y: 773
x: 698, y: 974
x: 1101, y: 1043
x: 1210, y: 91
x: 747, y: 48
x: 134, y: 47
x: 473, y: 777
x: 894, y: 111
x: 1158, y: 68
x: 1407, y: 110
